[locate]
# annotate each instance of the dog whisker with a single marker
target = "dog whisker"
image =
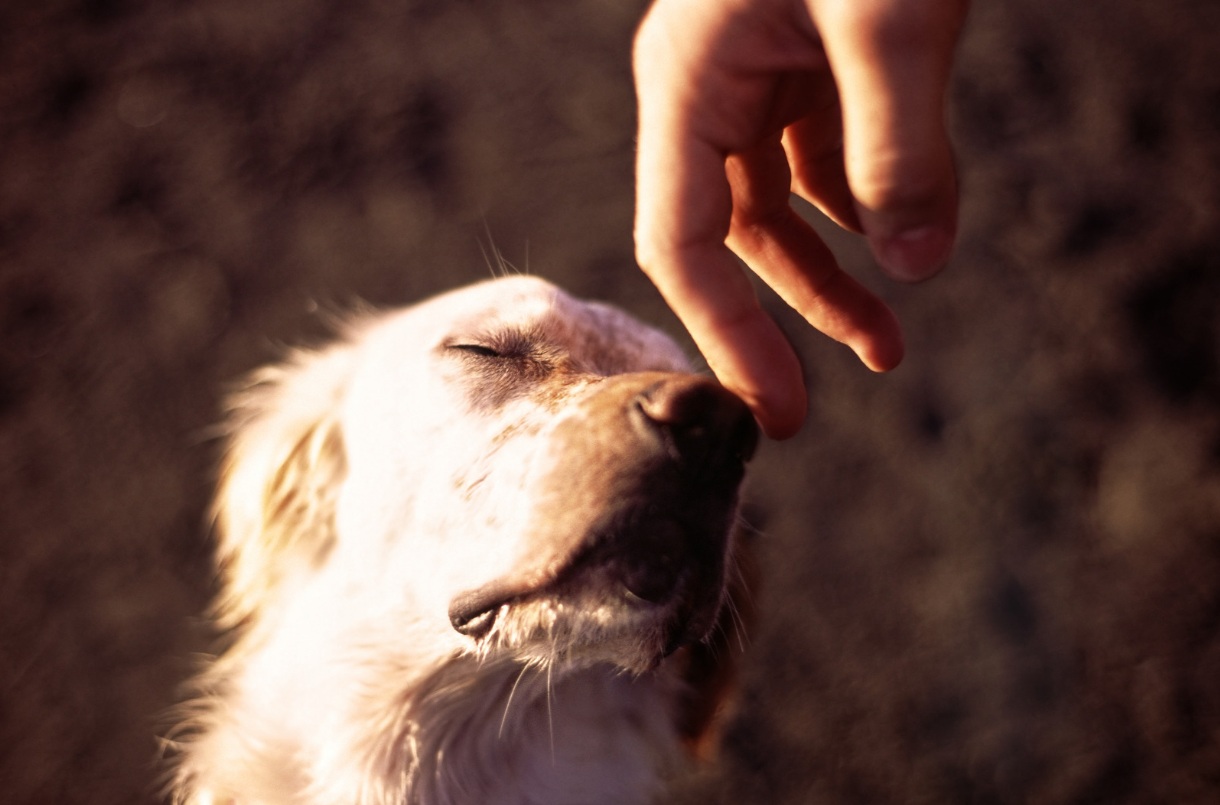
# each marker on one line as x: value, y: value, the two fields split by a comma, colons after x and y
x: 550, y: 711
x: 508, y: 703
x: 738, y: 623
x: 497, y: 264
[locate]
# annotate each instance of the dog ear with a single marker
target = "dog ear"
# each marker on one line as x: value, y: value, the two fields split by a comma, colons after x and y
x: 285, y: 462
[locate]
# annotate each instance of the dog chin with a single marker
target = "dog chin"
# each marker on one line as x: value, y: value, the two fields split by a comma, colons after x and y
x: 615, y: 628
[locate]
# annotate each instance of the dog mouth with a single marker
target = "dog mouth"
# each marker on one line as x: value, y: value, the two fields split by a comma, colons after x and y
x: 646, y: 571
x: 644, y: 564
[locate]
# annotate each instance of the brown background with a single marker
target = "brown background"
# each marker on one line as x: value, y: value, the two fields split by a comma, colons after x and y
x: 992, y: 576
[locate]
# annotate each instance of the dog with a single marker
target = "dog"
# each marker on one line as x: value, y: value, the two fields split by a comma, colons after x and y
x: 483, y: 549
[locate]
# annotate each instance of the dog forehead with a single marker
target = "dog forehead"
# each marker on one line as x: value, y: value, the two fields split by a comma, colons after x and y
x: 518, y: 302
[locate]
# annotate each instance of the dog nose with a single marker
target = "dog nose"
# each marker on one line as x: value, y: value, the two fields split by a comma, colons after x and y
x: 698, y: 419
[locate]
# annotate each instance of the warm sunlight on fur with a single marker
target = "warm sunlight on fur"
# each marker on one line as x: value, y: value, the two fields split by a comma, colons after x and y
x: 481, y: 550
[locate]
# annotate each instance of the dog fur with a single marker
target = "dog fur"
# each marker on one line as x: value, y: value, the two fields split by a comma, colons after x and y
x: 463, y: 563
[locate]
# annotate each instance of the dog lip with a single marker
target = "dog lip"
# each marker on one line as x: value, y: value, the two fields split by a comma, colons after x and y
x: 648, y: 583
x: 649, y: 556
x: 474, y: 613
x: 476, y: 625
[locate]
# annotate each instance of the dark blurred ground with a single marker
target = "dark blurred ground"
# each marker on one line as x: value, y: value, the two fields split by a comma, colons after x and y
x: 992, y: 576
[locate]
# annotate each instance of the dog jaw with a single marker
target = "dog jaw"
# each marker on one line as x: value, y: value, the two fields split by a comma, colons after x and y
x: 629, y: 543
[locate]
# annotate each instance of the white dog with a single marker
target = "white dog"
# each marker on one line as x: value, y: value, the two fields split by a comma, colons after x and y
x: 478, y: 552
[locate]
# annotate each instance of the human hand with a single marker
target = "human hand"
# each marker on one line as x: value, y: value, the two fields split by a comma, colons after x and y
x: 838, y: 101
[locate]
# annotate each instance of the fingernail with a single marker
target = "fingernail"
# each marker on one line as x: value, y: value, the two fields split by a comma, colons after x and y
x: 915, y: 254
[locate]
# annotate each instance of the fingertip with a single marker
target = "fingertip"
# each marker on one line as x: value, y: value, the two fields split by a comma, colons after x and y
x: 781, y: 418
x: 759, y: 365
x: 885, y: 358
x: 880, y: 346
x: 914, y: 254
x: 777, y: 400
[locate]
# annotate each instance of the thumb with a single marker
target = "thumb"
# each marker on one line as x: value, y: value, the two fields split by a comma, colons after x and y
x: 891, y: 60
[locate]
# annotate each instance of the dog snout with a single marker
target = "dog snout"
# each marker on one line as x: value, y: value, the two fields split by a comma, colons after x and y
x: 636, y: 505
x: 697, y: 419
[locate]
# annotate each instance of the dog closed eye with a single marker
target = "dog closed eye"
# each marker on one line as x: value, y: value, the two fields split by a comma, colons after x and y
x: 479, y: 350
x: 504, y: 342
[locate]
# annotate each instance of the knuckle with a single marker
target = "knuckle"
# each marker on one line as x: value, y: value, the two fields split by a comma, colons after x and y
x: 899, y: 184
x: 899, y: 25
x: 650, y: 256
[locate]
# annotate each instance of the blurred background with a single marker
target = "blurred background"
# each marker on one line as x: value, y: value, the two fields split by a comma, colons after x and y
x: 991, y: 576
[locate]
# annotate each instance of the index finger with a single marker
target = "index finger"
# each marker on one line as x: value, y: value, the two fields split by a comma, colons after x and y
x: 683, y: 210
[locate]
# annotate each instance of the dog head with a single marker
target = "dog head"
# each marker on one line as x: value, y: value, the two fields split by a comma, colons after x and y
x: 502, y: 470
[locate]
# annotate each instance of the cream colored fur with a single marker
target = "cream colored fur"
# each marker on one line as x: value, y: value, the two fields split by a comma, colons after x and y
x: 366, y: 485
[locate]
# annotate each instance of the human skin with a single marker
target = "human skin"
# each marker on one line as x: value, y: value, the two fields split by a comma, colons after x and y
x: 744, y: 102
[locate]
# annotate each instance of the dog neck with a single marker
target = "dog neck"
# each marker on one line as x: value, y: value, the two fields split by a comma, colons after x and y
x: 469, y: 730
x: 509, y: 733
